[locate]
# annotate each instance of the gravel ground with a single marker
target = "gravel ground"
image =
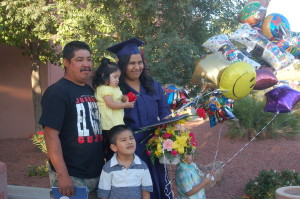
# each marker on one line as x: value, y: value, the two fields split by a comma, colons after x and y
x: 278, y: 154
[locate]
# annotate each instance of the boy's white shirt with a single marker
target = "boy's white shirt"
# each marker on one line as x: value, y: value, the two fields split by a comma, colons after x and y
x: 125, y: 177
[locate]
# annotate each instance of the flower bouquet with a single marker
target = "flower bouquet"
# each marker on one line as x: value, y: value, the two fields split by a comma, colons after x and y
x: 171, y: 142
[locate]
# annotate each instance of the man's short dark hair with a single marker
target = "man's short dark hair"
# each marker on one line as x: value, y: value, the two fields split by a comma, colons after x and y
x: 116, y: 130
x: 71, y: 47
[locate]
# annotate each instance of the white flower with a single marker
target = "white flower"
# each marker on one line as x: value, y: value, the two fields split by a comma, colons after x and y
x: 179, y: 127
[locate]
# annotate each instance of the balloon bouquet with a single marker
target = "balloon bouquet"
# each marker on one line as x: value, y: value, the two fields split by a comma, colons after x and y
x: 270, y: 45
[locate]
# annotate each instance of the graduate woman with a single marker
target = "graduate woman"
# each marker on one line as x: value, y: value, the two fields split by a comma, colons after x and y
x: 150, y: 106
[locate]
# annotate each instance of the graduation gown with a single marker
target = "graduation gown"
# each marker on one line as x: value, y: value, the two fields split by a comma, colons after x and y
x: 148, y: 109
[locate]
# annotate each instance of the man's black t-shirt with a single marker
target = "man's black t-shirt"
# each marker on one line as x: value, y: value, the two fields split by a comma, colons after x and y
x: 72, y: 110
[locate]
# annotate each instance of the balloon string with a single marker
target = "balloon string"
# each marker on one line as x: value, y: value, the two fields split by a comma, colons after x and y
x: 220, y: 131
x: 247, y: 143
x: 168, y: 182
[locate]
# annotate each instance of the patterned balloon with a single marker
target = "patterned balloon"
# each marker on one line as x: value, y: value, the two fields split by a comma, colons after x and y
x: 281, y: 99
x: 262, y: 47
x: 290, y: 43
x: 230, y: 52
x: 219, y: 109
x: 295, y: 36
x: 253, y: 13
x: 177, y: 96
x: 264, y: 3
x: 272, y: 23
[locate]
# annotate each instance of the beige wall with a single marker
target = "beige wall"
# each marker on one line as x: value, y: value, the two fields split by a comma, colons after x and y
x: 16, y: 107
x: 54, y: 73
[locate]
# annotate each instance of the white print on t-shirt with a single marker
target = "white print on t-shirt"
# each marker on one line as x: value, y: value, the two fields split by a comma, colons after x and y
x: 95, y: 117
x: 81, y: 121
x: 88, y: 120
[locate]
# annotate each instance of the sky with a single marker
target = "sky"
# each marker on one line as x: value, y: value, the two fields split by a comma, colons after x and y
x: 288, y: 8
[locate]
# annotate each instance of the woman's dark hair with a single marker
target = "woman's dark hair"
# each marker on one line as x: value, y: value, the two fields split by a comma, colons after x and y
x: 102, y: 74
x: 145, y: 79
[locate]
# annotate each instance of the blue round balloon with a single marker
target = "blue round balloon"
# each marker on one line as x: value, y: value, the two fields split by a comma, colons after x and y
x: 275, y: 25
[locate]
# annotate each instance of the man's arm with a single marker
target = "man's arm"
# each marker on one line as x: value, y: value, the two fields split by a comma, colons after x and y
x: 65, y: 183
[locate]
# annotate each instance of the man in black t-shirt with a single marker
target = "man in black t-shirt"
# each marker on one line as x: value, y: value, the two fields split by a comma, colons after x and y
x: 71, y: 122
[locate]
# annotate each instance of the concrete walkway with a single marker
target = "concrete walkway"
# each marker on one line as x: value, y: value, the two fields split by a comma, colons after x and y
x: 22, y: 192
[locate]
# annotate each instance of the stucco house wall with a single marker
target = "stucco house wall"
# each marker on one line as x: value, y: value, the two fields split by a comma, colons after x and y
x: 16, y: 106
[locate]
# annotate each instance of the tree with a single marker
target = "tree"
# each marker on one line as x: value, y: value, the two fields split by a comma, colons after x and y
x: 25, y: 24
x: 41, y: 27
x: 173, y: 31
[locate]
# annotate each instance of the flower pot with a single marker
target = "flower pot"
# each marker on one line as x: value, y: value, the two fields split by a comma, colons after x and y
x: 165, y: 160
x: 289, y: 192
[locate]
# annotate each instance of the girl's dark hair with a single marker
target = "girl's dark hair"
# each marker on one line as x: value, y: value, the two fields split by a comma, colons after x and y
x: 102, y: 74
x: 145, y: 79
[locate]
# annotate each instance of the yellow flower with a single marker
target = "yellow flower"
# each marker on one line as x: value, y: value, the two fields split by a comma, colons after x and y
x: 180, y: 143
x: 181, y: 122
x: 170, y: 130
x: 158, y: 151
x: 156, y: 132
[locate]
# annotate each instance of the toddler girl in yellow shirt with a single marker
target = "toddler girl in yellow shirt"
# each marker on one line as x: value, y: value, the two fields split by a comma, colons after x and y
x: 110, y: 99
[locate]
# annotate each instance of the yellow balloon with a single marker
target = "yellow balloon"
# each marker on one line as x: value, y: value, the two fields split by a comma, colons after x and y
x: 209, y: 69
x: 237, y: 80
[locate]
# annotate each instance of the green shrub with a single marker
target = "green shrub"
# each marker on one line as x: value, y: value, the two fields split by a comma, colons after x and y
x: 265, y: 185
x: 252, y: 119
x: 38, y: 170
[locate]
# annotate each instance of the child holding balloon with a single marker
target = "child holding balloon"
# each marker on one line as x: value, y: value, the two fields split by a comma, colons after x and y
x: 190, y: 181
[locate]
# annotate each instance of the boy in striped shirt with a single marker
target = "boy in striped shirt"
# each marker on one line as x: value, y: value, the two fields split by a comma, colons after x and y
x: 125, y: 175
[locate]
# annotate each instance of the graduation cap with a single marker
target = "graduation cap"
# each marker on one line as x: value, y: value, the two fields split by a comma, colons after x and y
x: 127, y: 47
